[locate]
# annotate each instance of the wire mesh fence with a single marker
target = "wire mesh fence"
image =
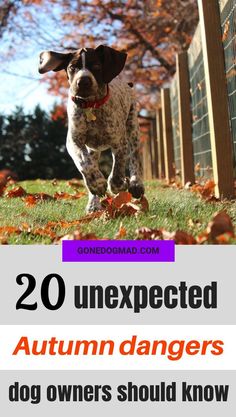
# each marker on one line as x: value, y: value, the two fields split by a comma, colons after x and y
x: 199, y: 107
x: 203, y: 119
x: 228, y: 24
x: 175, y: 126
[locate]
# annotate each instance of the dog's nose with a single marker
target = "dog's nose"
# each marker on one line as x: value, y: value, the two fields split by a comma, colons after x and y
x: 84, y: 82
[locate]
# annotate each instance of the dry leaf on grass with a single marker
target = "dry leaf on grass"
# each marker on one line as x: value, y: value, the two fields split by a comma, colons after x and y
x: 3, y: 240
x: 206, y: 190
x: 123, y: 205
x: 220, y: 225
x: 16, y: 192
x: 122, y: 232
x: 32, y: 199
x: 63, y: 224
x: 9, y: 230
x: 183, y: 238
x: 144, y: 233
x: 91, y: 216
x: 78, y: 235
x: 224, y: 239
x: 74, y: 182
x: 67, y: 196
x: 122, y: 198
x: 143, y: 202
x: 44, y: 232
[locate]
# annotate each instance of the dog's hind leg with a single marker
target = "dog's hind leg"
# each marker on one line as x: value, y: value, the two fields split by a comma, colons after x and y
x: 136, y: 187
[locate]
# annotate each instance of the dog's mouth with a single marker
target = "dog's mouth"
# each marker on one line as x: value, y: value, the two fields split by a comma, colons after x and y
x: 83, y: 94
x: 81, y: 97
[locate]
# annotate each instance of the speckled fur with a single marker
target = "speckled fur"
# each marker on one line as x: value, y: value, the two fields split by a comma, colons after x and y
x: 116, y: 125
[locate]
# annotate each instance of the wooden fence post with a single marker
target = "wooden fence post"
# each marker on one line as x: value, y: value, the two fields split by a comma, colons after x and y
x: 185, y: 117
x: 167, y: 134
x: 147, y: 162
x: 160, y: 145
x: 154, y: 149
x: 221, y: 142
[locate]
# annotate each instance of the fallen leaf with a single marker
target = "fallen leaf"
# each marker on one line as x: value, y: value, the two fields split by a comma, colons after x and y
x: 183, y: 238
x: 32, y: 199
x: 224, y: 239
x: 143, y: 202
x: 45, y: 232
x: 25, y: 227
x: 128, y: 209
x: 3, y: 240
x: 144, y: 233
x: 122, y: 232
x: 77, y: 235
x: 91, y: 216
x: 107, y: 201
x: 16, y: 192
x: 208, y: 189
x: 9, y: 230
x: 122, y: 198
x: 74, y: 182
x: 202, y: 238
x: 219, y: 225
x: 67, y: 196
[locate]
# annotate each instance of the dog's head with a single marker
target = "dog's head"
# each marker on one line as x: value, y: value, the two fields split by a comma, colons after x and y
x: 88, y: 69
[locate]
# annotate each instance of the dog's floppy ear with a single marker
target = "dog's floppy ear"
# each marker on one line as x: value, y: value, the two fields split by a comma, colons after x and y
x: 53, y: 61
x: 113, y: 62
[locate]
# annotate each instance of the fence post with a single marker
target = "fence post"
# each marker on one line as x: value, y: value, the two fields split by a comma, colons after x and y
x: 154, y: 149
x: 185, y: 126
x: 160, y: 145
x: 167, y: 134
x: 147, y: 164
x: 221, y: 142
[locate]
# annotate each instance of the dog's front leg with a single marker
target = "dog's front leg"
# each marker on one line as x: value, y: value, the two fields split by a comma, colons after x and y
x: 86, y: 161
x: 117, y: 180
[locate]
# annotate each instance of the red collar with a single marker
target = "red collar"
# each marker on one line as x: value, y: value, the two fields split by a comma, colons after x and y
x: 91, y: 104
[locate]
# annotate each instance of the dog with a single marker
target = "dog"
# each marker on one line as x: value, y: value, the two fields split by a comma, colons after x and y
x: 101, y: 115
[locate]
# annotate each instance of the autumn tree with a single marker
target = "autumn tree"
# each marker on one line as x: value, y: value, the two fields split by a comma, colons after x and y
x: 150, y: 31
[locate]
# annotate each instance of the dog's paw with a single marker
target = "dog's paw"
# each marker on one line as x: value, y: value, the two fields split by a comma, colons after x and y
x: 93, y: 204
x: 117, y: 184
x: 136, y: 188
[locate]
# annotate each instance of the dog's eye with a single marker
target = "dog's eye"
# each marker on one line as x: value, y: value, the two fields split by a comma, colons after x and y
x: 71, y: 68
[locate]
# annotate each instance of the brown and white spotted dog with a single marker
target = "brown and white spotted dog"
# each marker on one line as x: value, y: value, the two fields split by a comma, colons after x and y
x: 101, y: 115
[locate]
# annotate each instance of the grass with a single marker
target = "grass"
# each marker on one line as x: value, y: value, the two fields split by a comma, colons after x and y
x: 169, y: 209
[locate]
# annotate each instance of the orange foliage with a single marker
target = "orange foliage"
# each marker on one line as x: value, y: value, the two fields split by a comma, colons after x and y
x: 151, y: 32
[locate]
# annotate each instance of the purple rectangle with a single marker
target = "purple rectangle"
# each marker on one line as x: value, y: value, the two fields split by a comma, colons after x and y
x: 118, y: 251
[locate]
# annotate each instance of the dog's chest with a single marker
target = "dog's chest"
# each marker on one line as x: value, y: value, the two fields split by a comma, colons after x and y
x: 100, y: 128
x: 105, y: 126
x: 105, y: 131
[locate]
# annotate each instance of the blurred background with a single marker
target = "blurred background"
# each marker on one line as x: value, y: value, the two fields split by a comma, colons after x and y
x: 32, y: 107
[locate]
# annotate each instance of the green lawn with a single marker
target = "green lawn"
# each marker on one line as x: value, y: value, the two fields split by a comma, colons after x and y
x: 169, y: 209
